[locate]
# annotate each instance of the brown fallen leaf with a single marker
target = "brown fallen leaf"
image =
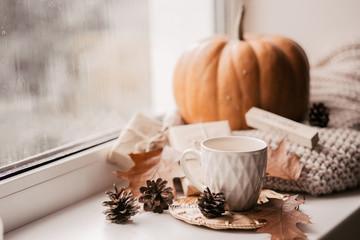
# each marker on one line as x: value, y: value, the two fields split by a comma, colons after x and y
x: 281, y: 165
x: 151, y: 166
x: 281, y: 218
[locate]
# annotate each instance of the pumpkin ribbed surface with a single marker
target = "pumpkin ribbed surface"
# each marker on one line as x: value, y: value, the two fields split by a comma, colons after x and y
x: 221, y: 79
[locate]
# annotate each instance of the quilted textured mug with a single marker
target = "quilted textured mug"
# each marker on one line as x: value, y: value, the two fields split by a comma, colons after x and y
x: 233, y: 165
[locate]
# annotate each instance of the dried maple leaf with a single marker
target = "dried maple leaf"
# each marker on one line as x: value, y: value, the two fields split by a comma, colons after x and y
x: 281, y: 218
x: 281, y: 165
x: 151, y: 165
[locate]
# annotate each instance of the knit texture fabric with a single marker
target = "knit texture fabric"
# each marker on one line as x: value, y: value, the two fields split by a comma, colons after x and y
x: 334, y: 164
x: 335, y: 81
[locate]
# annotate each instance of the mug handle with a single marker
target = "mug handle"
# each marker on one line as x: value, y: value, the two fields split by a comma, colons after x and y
x: 193, y: 180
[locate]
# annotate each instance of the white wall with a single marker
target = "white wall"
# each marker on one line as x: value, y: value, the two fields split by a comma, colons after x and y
x: 318, y: 25
x: 174, y: 26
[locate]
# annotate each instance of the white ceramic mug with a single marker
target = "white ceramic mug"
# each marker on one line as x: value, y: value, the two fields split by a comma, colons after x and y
x: 233, y: 165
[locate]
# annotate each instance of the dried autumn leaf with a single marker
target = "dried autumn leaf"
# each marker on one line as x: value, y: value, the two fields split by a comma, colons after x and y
x: 151, y: 165
x: 281, y: 218
x: 266, y: 194
x: 281, y: 165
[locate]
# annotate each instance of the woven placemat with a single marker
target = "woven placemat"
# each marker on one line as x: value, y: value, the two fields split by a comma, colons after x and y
x: 229, y: 220
x: 186, y: 209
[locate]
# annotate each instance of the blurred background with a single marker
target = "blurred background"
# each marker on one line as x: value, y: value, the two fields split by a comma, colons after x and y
x: 75, y: 69
x: 69, y: 70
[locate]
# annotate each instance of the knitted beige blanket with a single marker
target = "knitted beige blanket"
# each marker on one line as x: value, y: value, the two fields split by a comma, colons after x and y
x: 335, y: 81
x: 333, y: 165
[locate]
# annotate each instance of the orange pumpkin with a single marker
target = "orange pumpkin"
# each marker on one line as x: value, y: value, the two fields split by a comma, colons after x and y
x: 221, y: 79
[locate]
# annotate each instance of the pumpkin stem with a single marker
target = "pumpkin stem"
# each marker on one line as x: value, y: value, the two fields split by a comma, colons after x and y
x: 240, y: 22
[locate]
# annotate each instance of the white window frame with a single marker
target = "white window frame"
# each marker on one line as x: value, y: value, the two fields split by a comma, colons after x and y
x: 54, y: 186
x: 33, y: 194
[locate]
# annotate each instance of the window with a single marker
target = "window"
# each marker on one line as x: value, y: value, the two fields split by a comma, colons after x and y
x: 72, y: 72
x: 69, y: 70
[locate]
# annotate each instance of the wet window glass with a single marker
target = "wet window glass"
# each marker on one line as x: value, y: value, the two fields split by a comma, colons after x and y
x: 69, y: 69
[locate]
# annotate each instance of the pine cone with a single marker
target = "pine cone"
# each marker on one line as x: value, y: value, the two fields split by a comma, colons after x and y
x: 155, y: 196
x: 211, y: 205
x: 121, y: 207
x: 319, y: 115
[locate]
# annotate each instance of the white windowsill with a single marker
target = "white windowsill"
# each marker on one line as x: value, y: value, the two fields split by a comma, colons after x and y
x: 85, y: 220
